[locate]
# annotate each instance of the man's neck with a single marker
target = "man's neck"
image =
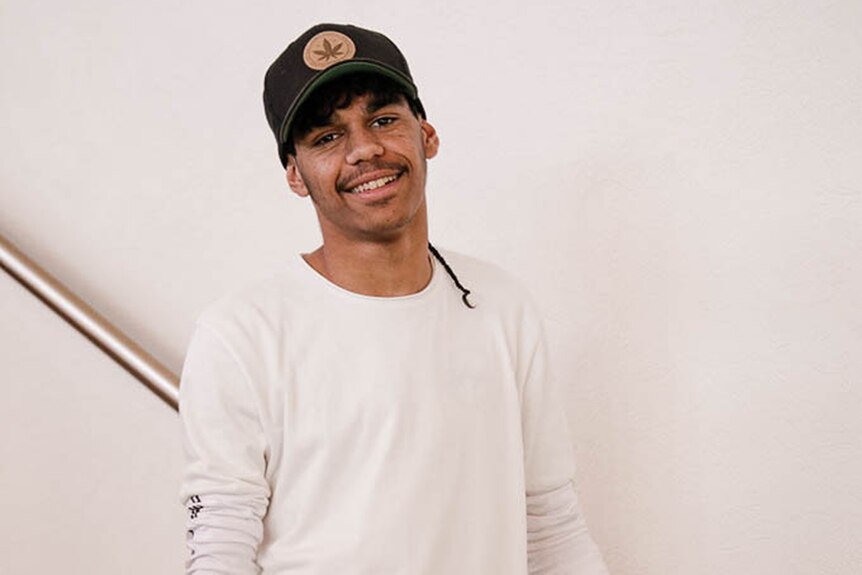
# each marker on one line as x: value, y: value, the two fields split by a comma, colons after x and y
x: 378, y: 269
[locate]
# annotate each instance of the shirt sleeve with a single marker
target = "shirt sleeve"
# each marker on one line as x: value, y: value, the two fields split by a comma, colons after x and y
x: 558, y: 542
x: 223, y: 486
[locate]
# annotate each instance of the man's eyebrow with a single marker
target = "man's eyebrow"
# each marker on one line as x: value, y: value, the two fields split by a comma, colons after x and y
x: 322, y: 124
x: 379, y: 102
x: 373, y: 105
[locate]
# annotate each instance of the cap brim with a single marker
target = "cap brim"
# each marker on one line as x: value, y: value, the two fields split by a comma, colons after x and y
x: 336, y: 71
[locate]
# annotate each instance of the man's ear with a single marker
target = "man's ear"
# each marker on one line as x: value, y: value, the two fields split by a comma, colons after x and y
x: 430, y: 140
x: 294, y: 178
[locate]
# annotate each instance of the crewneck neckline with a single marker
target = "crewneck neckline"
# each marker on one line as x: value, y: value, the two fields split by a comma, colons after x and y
x: 315, y: 276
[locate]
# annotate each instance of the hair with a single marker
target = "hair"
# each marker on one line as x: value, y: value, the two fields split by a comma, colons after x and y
x: 465, y: 293
x: 339, y: 94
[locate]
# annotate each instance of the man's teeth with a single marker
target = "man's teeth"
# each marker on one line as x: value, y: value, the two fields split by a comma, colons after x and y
x: 373, y: 185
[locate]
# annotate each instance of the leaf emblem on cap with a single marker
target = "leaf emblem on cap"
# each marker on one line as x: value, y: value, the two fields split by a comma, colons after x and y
x: 329, y: 51
x: 326, y: 49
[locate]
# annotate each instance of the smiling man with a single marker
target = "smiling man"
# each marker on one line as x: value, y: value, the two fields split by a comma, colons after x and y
x: 362, y: 412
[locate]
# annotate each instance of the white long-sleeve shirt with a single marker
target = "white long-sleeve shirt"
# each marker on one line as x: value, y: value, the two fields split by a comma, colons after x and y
x: 330, y: 432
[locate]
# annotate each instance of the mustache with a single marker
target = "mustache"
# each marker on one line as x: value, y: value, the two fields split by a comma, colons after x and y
x: 366, y: 168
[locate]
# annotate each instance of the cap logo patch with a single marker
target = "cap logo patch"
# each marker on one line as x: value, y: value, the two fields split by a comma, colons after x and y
x: 327, y: 48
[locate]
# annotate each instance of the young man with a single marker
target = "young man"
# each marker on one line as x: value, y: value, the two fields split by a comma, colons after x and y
x: 363, y: 412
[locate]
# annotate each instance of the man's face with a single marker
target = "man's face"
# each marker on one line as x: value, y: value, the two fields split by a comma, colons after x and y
x: 365, y: 170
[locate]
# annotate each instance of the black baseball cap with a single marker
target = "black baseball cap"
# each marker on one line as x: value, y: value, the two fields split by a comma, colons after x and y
x: 323, y: 53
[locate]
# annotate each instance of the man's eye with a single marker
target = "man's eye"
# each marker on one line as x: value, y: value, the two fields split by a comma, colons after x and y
x: 384, y: 121
x: 325, y: 139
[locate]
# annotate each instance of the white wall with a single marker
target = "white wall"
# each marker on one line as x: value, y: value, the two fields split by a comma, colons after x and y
x: 679, y: 183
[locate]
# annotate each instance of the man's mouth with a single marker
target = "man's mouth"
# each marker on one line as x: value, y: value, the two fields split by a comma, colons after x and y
x: 373, y: 184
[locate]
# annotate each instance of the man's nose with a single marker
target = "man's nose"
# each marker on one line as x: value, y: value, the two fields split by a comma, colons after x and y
x: 362, y: 145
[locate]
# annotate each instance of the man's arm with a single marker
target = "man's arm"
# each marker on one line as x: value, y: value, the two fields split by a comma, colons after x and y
x: 223, y: 483
x: 558, y: 542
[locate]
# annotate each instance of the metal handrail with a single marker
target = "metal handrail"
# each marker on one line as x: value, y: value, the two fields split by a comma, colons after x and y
x: 86, y: 320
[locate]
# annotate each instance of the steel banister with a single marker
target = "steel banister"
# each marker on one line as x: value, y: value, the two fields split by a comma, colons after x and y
x: 86, y: 320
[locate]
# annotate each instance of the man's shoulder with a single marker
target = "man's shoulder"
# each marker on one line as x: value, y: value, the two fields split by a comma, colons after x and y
x: 476, y: 268
x: 489, y: 283
x: 257, y: 302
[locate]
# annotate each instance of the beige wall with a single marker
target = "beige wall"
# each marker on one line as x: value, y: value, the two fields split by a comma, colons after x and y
x: 678, y: 182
